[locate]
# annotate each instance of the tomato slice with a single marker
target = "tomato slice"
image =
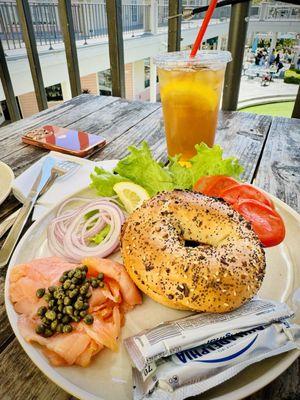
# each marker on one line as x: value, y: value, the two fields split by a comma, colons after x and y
x: 214, y: 185
x: 265, y: 221
x: 245, y: 191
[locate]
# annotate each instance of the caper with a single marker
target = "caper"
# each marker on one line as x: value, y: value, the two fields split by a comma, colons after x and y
x: 45, y: 321
x: 67, y: 328
x: 60, y: 308
x: 73, y: 293
x: 76, y: 313
x: 56, y: 294
x: 40, y: 329
x: 51, y: 315
x: 59, y: 316
x: 60, y: 301
x: 59, y: 328
x: 69, y: 310
x: 77, y: 274
x: 41, y: 311
x: 76, y: 319
x: 48, y: 332
x: 63, y: 278
x: 85, y: 306
x: 95, y: 283
x: 67, y: 301
x: 84, y: 268
x: 101, y: 284
x: 83, y: 313
x: 51, y: 304
x: 78, y: 305
x: 51, y: 289
x: 60, y: 294
x: 71, y: 274
x: 72, y: 287
x: 83, y: 290
x: 88, y: 295
x: 88, y: 319
x: 75, y: 280
x: 100, y: 276
x: 83, y: 275
x: 67, y: 284
x: 54, y: 325
x: 40, y: 293
x: 65, y: 319
x: 47, y: 297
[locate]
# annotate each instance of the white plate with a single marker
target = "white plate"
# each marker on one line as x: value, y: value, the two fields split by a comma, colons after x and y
x: 109, y: 375
x: 6, y: 179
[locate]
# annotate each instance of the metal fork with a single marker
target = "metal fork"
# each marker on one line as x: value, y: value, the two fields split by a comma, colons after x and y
x: 61, y: 170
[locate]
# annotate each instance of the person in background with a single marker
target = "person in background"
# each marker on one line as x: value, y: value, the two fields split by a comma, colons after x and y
x: 277, y: 59
x: 262, y: 60
x: 279, y: 66
x: 271, y: 58
x: 298, y: 62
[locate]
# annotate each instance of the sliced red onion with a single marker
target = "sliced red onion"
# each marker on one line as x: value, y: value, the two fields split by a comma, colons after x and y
x: 70, y: 231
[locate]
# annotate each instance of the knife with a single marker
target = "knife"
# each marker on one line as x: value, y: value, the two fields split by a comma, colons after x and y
x: 15, y: 232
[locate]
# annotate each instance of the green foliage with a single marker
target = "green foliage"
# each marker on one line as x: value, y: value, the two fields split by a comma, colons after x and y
x: 292, y: 76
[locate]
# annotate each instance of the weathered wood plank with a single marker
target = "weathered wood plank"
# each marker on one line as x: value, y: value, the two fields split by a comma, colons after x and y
x: 279, y: 168
x: 10, y: 139
x: 32, y: 53
x: 243, y: 135
x: 67, y: 26
x: 110, y: 120
x: 116, y: 46
x: 8, y: 89
x: 174, y: 25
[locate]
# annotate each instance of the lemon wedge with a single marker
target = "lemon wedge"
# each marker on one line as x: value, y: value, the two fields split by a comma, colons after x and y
x: 131, y: 195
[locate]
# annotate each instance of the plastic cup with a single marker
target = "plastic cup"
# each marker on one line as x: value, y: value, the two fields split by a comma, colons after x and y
x: 190, y: 92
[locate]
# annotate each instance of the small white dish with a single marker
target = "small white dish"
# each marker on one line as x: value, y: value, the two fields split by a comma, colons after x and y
x: 6, y: 180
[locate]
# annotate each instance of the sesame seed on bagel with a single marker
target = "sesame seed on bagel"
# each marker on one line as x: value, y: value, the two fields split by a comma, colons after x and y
x: 192, y: 252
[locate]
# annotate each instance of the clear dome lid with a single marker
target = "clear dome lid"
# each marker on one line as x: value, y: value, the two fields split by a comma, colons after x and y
x: 203, y: 59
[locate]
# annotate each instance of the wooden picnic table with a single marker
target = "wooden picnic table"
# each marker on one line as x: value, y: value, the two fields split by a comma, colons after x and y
x: 268, y: 147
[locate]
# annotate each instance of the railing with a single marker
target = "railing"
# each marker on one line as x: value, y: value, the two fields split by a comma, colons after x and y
x: 40, y: 24
x: 90, y: 21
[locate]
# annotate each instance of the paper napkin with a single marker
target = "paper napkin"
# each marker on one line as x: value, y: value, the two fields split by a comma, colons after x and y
x: 64, y: 186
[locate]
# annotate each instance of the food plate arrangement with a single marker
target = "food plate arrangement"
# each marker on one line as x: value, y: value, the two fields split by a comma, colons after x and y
x: 108, y: 376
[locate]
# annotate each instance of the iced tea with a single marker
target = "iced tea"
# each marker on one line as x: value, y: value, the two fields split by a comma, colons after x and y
x: 190, y: 94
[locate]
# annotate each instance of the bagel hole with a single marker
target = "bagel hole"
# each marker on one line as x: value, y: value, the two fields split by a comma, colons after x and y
x: 194, y: 243
x: 191, y: 243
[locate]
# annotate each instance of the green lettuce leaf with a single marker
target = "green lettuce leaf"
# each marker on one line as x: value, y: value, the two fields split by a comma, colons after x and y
x: 103, y: 181
x: 182, y: 176
x: 209, y: 161
x: 141, y: 168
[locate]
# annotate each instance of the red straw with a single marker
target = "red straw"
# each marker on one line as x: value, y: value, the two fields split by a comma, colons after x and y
x: 203, y: 28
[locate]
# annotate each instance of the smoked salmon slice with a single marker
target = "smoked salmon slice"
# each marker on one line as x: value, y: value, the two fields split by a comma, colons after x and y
x: 107, y: 305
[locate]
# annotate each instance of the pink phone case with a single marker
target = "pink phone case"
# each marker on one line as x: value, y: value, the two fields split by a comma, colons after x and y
x: 64, y: 140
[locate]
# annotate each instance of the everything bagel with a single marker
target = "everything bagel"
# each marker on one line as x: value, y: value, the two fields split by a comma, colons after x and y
x: 189, y: 251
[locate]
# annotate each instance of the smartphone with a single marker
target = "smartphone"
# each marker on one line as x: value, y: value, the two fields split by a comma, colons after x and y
x: 64, y: 140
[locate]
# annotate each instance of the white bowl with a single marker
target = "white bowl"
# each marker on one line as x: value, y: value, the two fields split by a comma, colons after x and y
x: 6, y: 179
